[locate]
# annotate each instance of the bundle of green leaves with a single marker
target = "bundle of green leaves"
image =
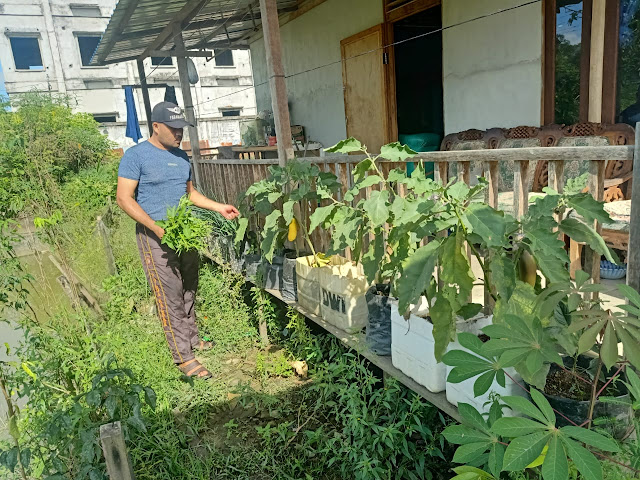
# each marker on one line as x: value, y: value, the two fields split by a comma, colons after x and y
x: 183, y: 230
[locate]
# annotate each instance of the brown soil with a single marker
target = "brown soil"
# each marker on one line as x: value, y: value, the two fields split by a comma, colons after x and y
x: 563, y: 384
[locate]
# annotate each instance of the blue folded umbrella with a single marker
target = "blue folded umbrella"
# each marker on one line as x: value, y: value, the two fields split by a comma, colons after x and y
x: 133, y: 127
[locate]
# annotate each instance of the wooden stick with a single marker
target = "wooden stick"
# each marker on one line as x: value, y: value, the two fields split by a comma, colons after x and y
x: 115, y: 452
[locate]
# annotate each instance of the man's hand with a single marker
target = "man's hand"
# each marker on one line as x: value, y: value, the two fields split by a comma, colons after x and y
x: 229, y: 211
x: 159, y: 231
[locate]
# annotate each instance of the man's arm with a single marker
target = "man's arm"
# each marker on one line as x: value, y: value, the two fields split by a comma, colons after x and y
x: 125, y: 198
x: 199, y: 200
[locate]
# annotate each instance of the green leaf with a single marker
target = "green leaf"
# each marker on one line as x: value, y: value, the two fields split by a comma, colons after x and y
x: 443, y: 319
x: 469, y: 310
x: 137, y: 423
x: 516, y: 427
x: 469, y: 452
x: 458, y: 191
x: 588, y: 208
x: 591, y: 438
x: 320, y: 216
x: 150, y: 397
x: 496, y: 459
x: 366, y: 182
x: 361, y: 169
x: 274, y: 196
x: 11, y: 459
x: 88, y: 452
x: 503, y: 275
x: 377, y: 208
x: 523, y: 405
x: 110, y: 404
x: 13, y: 428
x: 552, y: 268
x: 243, y: 223
x: 630, y: 345
x: 609, y: 347
x: 417, y: 271
x: 555, y: 466
x: 586, y: 463
x: 270, y: 235
x: 488, y: 223
x: 524, y: 450
x: 372, y: 260
x: 287, y: 211
x: 588, y: 338
x: 543, y: 405
x: 457, y: 270
x: 462, y: 435
x: 581, y: 232
x: 396, y: 152
x: 346, y: 146
x: 483, y: 383
x: 25, y: 457
x: 472, y: 417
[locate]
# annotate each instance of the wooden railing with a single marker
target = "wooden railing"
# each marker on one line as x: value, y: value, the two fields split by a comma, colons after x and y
x: 226, y: 180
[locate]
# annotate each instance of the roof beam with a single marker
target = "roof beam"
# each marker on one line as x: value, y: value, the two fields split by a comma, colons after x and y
x: 184, y: 16
x: 180, y: 53
x: 118, y: 30
x: 229, y: 20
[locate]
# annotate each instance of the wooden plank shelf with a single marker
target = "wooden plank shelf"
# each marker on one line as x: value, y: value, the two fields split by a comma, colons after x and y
x: 357, y: 343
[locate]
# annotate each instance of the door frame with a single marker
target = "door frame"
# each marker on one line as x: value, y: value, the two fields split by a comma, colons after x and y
x: 394, y: 11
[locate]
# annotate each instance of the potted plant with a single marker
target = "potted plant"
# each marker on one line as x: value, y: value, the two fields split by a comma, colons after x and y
x: 279, y: 198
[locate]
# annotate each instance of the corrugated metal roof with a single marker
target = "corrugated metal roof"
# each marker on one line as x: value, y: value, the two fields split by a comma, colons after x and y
x: 137, y: 25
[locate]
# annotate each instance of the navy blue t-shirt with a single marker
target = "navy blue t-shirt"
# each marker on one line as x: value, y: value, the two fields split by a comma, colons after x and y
x: 162, y: 176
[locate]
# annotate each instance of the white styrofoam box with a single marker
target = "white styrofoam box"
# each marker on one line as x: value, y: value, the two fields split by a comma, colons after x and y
x: 412, y: 348
x: 343, y: 301
x: 463, y: 392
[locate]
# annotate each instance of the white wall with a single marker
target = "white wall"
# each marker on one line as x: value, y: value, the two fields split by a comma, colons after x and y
x: 316, y: 99
x: 493, y: 66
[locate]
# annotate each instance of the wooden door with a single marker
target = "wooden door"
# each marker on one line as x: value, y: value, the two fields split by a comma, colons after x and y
x: 365, y: 88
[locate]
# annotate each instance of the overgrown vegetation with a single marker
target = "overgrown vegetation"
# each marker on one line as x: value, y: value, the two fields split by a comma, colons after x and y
x: 79, y: 369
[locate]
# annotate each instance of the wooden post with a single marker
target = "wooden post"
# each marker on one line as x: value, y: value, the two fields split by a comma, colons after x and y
x: 492, y: 174
x: 104, y: 234
x: 277, y: 84
x: 115, y: 452
x: 633, y: 255
x: 194, y: 139
x: 145, y: 95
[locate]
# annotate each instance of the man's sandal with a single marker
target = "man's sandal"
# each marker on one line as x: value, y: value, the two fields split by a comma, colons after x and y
x: 193, y: 368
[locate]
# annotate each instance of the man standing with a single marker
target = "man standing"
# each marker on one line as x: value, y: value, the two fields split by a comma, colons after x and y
x: 152, y: 177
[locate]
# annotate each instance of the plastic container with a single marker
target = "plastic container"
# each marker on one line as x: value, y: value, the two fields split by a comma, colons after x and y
x: 289, y: 290
x: 412, y: 347
x: 379, y: 321
x: 578, y: 411
x: 463, y: 392
x: 308, y: 284
x: 343, y: 302
x: 252, y: 264
x: 421, y: 142
x: 271, y: 273
x: 611, y: 271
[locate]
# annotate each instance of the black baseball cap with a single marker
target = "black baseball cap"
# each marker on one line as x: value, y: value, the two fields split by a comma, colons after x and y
x: 170, y: 114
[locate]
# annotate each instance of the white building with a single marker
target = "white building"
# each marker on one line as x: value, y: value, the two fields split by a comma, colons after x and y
x: 48, y: 44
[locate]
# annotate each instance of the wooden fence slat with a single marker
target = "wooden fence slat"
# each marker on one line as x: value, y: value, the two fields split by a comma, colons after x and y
x: 596, y: 188
x: 521, y: 188
x: 464, y: 171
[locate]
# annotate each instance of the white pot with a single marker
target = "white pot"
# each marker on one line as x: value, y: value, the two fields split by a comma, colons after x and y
x: 412, y: 348
x: 463, y: 392
x: 343, y: 301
